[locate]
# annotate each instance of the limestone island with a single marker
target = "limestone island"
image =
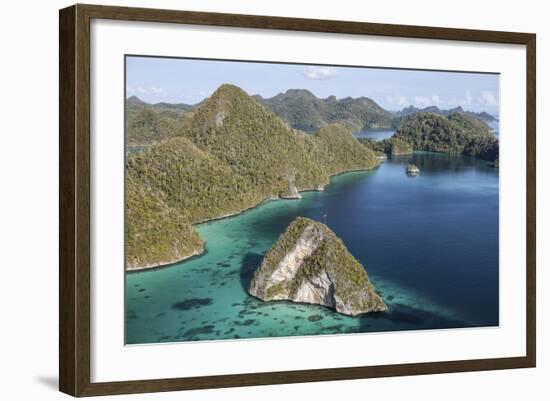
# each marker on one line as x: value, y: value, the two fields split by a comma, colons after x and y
x: 412, y: 169
x: 310, y: 264
x: 226, y: 156
x: 454, y: 132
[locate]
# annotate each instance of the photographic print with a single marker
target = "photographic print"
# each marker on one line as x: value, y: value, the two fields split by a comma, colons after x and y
x: 269, y: 199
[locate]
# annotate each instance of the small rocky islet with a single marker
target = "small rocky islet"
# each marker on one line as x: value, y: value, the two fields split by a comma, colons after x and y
x: 412, y: 169
x: 310, y: 264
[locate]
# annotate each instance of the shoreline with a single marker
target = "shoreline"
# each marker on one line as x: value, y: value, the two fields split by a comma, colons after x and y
x: 197, y: 253
x: 163, y: 264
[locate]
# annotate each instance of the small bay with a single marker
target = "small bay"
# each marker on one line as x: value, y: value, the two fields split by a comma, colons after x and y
x: 429, y: 244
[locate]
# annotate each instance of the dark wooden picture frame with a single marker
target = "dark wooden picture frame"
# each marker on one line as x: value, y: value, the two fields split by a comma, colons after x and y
x: 74, y: 199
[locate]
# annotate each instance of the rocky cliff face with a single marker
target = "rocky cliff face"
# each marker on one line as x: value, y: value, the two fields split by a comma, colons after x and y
x: 292, y: 192
x: 309, y: 264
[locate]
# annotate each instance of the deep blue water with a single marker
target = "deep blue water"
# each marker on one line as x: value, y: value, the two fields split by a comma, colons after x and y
x: 429, y: 244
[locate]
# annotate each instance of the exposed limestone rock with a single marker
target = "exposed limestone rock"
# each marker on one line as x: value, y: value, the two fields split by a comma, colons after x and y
x: 292, y: 192
x: 309, y: 264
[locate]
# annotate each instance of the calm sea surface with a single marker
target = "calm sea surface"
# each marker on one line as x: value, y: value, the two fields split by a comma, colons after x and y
x: 429, y: 244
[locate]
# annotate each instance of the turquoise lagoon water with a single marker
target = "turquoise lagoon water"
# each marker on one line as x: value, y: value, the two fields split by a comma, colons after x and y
x: 429, y: 244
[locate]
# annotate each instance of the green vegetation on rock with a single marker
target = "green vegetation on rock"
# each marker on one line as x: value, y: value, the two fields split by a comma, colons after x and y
x: 398, y: 146
x: 457, y: 133
x: 302, y: 110
x: 407, y: 111
x: 156, y: 234
x: 393, y: 146
x: 310, y: 264
x: 229, y: 156
x: 147, y: 124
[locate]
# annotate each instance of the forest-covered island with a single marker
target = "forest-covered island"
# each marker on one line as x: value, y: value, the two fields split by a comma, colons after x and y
x: 230, y: 155
x: 310, y: 264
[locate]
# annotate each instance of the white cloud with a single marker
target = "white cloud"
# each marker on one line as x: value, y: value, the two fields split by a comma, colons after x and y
x: 468, y: 99
x: 480, y: 101
x: 461, y: 100
x: 320, y: 72
x: 156, y: 90
x: 488, y: 98
x: 196, y: 96
x: 145, y: 90
x: 425, y: 101
x: 398, y: 100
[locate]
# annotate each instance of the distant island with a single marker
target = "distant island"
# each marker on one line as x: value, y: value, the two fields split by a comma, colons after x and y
x: 230, y: 154
x: 310, y: 264
x: 148, y: 123
x: 483, y: 116
x: 302, y: 110
x: 457, y: 133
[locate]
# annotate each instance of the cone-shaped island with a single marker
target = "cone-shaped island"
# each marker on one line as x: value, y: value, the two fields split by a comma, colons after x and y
x: 310, y: 264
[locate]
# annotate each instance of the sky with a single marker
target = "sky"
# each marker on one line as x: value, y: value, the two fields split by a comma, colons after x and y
x: 176, y: 80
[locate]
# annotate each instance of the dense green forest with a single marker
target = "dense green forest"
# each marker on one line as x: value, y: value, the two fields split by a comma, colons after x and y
x: 483, y: 116
x: 302, y: 110
x: 391, y: 146
x: 147, y: 124
x: 231, y: 154
x: 457, y: 133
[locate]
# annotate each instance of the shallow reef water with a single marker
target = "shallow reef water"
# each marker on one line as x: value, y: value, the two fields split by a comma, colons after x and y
x: 429, y: 244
